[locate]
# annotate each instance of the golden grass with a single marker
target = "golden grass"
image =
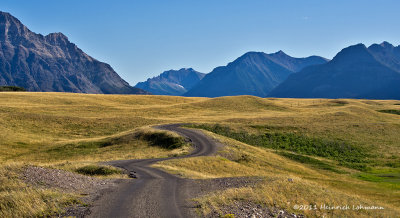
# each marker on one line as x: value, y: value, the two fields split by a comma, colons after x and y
x: 309, y: 186
x: 278, y: 192
x: 122, y: 146
x: 63, y: 130
x: 17, y: 199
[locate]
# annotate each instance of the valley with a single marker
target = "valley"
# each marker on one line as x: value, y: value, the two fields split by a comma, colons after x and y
x: 306, y: 151
x: 199, y: 109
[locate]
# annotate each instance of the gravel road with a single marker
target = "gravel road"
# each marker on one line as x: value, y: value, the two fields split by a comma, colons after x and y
x: 154, y: 193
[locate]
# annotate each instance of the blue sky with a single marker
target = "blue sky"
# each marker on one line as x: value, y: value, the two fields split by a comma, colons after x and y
x: 140, y: 39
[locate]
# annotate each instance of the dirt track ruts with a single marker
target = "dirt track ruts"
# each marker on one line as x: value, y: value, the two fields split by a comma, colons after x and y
x: 154, y: 193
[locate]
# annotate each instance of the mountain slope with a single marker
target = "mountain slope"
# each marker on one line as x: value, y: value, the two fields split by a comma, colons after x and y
x: 295, y: 64
x: 52, y: 63
x: 254, y: 73
x: 172, y: 82
x: 387, y: 54
x: 355, y: 72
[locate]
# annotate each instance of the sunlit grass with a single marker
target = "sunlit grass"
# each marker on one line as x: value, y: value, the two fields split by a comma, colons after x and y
x: 69, y: 131
x: 287, y: 181
x: 18, y: 199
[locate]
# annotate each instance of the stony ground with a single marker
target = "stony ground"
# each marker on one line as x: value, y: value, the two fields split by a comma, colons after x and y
x: 204, y: 186
x: 88, y: 187
x: 251, y: 210
x: 239, y: 208
x: 92, y: 188
x: 63, y: 180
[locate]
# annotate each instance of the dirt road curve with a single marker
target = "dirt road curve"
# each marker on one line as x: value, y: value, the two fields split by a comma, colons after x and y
x: 154, y: 193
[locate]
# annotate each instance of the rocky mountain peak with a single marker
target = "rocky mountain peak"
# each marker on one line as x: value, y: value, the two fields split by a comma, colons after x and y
x: 11, y: 29
x: 6, y: 17
x: 57, y: 39
x: 172, y: 82
x: 52, y: 63
x: 281, y: 53
x: 248, y: 58
x: 353, y: 54
x: 57, y: 36
x: 186, y: 69
x: 386, y: 45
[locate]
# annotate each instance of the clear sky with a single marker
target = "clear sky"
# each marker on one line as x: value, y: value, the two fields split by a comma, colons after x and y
x: 142, y: 38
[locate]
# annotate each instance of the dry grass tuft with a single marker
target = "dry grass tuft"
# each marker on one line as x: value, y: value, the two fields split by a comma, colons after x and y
x: 17, y: 199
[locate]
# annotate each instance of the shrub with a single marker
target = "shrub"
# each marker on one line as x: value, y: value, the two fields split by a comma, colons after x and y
x: 94, y: 170
x: 162, y: 139
x: 11, y: 89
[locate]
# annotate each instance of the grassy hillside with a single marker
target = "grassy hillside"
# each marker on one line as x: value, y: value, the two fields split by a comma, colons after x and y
x: 356, y: 158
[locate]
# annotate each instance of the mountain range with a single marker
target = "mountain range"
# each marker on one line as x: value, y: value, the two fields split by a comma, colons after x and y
x: 172, y: 82
x: 254, y: 73
x: 52, y: 63
x: 355, y: 72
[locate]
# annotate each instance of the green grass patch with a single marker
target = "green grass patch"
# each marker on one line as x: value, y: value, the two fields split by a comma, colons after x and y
x: 94, y: 170
x: 162, y: 139
x: 346, y: 154
x: 310, y: 161
x: 388, y: 177
x: 390, y: 111
x: 11, y: 89
x: 393, y: 164
x: 273, y: 128
x: 370, y: 177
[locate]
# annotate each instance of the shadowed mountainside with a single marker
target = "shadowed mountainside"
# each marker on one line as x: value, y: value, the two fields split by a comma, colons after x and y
x: 355, y: 72
x: 254, y: 73
x: 52, y: 63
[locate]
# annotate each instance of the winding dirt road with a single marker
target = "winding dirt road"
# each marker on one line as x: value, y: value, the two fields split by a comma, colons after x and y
x: 154, y: 193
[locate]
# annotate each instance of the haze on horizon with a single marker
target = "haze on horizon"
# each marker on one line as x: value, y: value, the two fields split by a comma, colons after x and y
x: 140, y: 39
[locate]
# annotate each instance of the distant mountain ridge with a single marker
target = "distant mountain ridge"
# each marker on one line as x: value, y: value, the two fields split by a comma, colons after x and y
x: 254, y: 73
x: 387, y: 54
x: 355, y: 72
x: 52, y: 63
x: 172, y: 82
x: 296, y: 64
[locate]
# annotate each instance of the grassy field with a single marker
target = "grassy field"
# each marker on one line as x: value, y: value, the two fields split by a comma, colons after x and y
x: 334, y: 151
